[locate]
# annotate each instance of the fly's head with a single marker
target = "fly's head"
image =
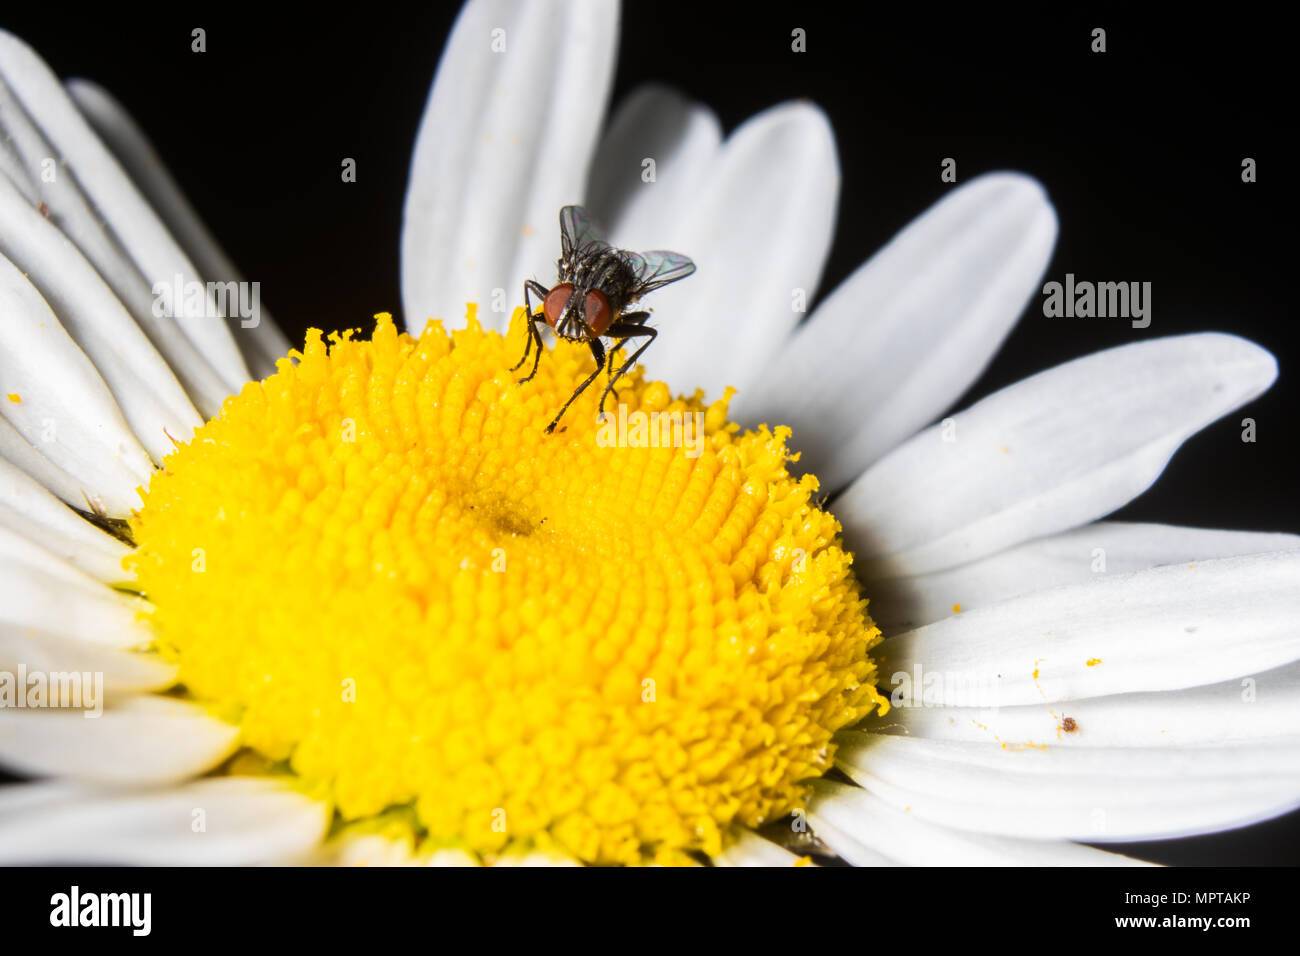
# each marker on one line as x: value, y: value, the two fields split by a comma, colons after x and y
x: 595, y: 284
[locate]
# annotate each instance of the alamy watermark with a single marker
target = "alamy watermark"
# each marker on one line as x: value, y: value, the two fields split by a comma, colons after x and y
x: 651, y: 430
x: 934, y: 688
x: 133, y: 911
x: 1086, y: 300
x: 52, y: 690
x: 209, y: 300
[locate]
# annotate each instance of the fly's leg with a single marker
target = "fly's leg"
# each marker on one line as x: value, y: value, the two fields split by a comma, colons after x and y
x: 624, y: 331
x: 534, y: 336
x: 629, y: 318
x: 598, y: 353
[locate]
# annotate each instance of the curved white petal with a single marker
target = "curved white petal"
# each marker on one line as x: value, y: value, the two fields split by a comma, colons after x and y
x: 846, y: 846
x: 948, y: 766
x: 750, y: 849
x: 505, y: 141
x: 54, y: 398
x: 904, y: 336
x: 681, y: 137
x: 125, y: 673
x: 143, y: 741
x: 1100, y: 795
x: 838, y: 809
x: 1255, y: 708
x: 1161, y: 629
x: 151, y: 399
x: 222, y: 821
x: 11, y: 163
x: 18, y: 451
x: 759, y: 231
x: 18, y: 798
x: 28, y: 509
x: 90, y: 168
x: 1054, y: 451
x: 262, y: 343
x: 89, y: 242
x: 39, y: 592
x: 1075, y: 557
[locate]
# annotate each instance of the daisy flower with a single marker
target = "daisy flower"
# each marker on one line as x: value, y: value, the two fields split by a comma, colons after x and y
x: 351, y: 603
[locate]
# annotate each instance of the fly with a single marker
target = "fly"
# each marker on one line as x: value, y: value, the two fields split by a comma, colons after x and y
x: 596, y: 284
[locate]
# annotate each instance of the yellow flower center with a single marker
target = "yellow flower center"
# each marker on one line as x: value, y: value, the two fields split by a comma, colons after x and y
x: 619, y: 640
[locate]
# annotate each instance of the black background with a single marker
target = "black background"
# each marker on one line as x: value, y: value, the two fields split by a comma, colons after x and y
x: 1139, y: 148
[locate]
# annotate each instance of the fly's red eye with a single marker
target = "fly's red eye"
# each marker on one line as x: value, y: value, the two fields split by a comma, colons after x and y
x: 556, y: 300
x: 599, y: 314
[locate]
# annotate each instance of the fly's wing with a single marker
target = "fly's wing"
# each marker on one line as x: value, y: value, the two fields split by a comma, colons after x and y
x: 658, y: 268
x: 579, y: 231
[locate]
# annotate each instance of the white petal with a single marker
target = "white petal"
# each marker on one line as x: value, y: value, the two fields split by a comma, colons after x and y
x: 504, y: 143
x: 681, y: 136
x: 1062, y: 448
x: 1160, y: 629
x: 846, y: 846
x: 261, y: 344
x: 21, y: 797
x: 53, y: 397
x: 138, y: 230
x: 150, y: 397
x: 39, y: 592
x: 144, y: 741
x: 28, y: 509
x: 1192, y: 811
x: 750, y: 849
x: 17, y: 450
x: 86, y: 239
x: 126, y: 673
x: 1080, y: 793
x: 949, y: 766
x: 899, y: 340
x: 1075, y: 557
x: 1254, y: 708
x: 11, y: 163
x: 840, y: 809
x: 245, y: 820
x: 759, y: 231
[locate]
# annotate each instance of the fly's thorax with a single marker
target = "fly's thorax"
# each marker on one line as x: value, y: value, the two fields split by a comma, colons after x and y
x: 605, y: 269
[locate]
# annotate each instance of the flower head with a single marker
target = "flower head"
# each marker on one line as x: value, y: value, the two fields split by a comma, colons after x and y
x: 612, y: 645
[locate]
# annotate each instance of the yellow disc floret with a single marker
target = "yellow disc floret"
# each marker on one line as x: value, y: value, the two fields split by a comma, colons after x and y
x: 619, y: 639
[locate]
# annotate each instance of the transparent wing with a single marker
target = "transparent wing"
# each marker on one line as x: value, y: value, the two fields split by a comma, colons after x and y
x: 579, y: 231
x: 658, y: 268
